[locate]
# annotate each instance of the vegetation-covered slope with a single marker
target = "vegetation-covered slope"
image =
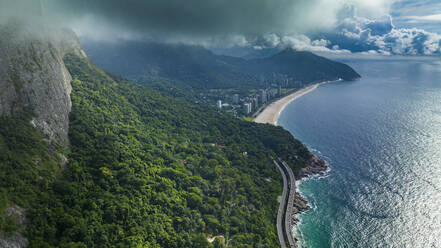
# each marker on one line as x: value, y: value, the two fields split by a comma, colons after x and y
x: 145, y: 170
x: 27, y: 166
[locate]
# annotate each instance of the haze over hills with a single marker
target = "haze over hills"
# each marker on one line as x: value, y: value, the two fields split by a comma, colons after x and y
x: 194, y: 65
x: 199, y: 68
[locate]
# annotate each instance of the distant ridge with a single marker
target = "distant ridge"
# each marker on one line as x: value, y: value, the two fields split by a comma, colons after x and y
x: 301, y: 65
x: 199, y: 68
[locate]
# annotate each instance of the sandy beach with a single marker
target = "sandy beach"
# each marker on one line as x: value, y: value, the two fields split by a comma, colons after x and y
x: 316, y: 166
x: 271, y: 113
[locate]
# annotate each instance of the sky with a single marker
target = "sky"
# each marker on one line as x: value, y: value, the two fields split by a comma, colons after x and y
x: 404, y: 27
x: 423, y: 14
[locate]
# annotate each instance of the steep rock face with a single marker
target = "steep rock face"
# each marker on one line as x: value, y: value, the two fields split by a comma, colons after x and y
x: 32, y: 75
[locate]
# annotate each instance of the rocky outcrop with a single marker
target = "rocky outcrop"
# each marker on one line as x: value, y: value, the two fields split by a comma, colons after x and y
x: 16, y: 240
x: 33, y: 76
x: 300, y: 206
x: 316, y: 166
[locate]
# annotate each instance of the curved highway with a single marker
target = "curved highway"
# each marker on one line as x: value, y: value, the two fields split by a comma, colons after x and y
x: 281, y: 212
x: 290, y: 204
x: 284, y: 215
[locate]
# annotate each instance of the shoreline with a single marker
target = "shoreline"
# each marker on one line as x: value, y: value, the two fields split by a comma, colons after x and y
x: 315, y: 165
x: 271, y: 113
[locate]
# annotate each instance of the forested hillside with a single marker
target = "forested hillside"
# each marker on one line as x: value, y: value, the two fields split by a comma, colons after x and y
x: 144, y: 170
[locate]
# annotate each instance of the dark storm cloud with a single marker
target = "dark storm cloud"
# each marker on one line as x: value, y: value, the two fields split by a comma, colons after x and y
x: 341, y: 25
x: 184, y: 17
x: 192, y: 16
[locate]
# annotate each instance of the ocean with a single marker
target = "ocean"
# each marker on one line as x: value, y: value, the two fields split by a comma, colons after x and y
x: 382, y: 139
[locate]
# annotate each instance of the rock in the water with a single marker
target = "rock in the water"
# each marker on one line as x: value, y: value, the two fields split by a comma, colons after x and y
x: 316, y: 166
x: 300, y: 204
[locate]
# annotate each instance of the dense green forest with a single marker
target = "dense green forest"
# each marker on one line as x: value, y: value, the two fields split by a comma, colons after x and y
x: 144, y: 170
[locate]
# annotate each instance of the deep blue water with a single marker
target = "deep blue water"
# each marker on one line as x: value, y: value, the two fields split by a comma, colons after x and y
x: 382, y: 139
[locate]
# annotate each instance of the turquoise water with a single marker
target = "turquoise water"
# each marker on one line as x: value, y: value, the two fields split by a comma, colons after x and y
x: 382, y: 139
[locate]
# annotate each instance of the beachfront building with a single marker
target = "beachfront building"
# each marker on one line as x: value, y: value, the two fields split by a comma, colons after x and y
x: 236, y: 99
x: 270, y: 94
x: 247, y: 108
x: 255, y: 102
x: 219, y: 104
x: 263, y: 97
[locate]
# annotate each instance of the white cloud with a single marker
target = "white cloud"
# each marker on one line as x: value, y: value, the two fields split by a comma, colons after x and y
x: 426, y: 18
x: 364, y: 35
x: 299, y: 42
x: 410, y: 42
x: 272, y: 40
x: 372, y: 8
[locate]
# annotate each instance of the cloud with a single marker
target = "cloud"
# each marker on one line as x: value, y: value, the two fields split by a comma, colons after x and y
x: 372, y: 8
x: 426, y: 18
x: 409, y: 42
x: 336, y: 26
x: 198, y: 19
x: 404, y: 12
x: 406, y: 41
x: 299, y: 42
x: 381, y: 36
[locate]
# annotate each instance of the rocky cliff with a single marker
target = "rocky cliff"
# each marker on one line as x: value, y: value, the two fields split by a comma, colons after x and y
x: 33, y: 76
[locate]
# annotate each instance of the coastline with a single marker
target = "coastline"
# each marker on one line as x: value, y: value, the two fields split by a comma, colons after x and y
x: 271, y: 113
x: 315, y: 165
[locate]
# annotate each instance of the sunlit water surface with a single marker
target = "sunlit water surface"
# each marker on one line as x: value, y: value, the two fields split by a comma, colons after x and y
x: 382, y: 139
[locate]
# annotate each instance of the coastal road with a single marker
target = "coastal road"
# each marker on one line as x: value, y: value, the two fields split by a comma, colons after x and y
x: 281, y: 212
x: 290, y: 204
x: 284, y: 215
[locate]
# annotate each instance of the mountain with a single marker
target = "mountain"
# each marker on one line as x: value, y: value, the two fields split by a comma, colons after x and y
x: 188, y: 66
x: 299, y: 65
x: 123, y: 165
x: 246, y: 52
x: 197, y: 68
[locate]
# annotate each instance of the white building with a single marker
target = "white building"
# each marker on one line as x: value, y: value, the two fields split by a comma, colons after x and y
x: 219, y: 104
x: 236, y: 99
x: 247, y: 108
x: 263, y: 97
x: 255, y: 102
